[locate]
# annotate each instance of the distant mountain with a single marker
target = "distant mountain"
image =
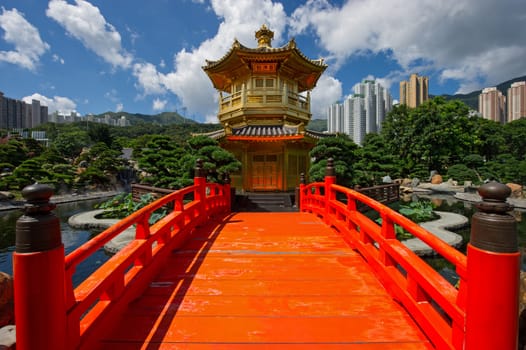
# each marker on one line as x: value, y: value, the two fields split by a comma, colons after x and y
x: 165, y: 118
x: 317, y: 125
x: 472, y: 99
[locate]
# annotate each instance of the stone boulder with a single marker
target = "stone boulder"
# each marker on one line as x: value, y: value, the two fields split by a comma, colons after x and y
x: 402, y: 182
x: 5, y: 196
x: 452, y: 182
x: 436, y: 179
x: 7, y: 306
x: 516, y: 190
x: 8, y: 337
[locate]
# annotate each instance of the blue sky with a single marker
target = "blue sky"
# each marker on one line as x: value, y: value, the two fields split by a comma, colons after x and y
x: 146, y: 56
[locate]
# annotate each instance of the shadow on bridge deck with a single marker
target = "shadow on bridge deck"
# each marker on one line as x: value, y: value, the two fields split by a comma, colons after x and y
x: 284, y: 280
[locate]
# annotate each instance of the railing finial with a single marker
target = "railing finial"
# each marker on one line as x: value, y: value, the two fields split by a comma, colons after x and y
x: 198, y: 170
x: 226, y: 178
x: 492, y: 229
x: 302, y: 178
x: 38, y: 229
x: 329, y: 170
x: 492, y: 274
x: 39, y: 271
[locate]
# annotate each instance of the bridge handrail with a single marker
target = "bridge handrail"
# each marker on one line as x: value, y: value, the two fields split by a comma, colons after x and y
x: 436, y: 305
x: 98, y: 300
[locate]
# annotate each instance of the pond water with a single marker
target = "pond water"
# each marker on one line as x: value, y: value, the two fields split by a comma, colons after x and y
x: 448, y: 203
x: 72, y: 238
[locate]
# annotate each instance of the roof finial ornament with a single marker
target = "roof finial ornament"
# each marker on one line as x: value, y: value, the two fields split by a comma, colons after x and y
x: 264, y: 37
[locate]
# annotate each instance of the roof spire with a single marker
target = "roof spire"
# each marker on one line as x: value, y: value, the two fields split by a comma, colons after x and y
x: 264, y: 36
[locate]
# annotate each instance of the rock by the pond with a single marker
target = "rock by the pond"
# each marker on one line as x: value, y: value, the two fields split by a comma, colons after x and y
x: 439, y: 228
x: 7, y: 305
x: 5, y: 196
x: 516, y: 190
x: 8, y: 337
x: 519, y: 203
x: 436, y: 179
x: 89, y: 220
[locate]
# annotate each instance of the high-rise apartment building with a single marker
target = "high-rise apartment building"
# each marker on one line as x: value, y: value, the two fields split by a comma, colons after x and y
x: 335, y: 118
x: 492, y: 104
x: 516, y: 101
x: 414, y: 91
x: 354, y: 118
x: 16, y: 114
x: 361, y: 113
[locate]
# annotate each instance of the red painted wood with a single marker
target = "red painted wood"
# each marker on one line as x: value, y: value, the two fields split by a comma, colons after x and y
x: 437, y: 307
x: 290, y: 281
x: 40, y: 299
x: 99, y: 301
x: 496, y: 276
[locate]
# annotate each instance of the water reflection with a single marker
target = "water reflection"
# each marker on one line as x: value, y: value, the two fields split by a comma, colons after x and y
x: 448, y: 203
x: 72, y: 238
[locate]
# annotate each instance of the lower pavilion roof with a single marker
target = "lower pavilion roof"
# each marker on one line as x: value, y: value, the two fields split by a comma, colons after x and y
x: 266, y: 133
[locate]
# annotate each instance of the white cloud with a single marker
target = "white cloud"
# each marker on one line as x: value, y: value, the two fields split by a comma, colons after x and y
x: 25, y: 38
x: 60, y: 104
x: 119, y: 107
x: 149, y: 79
x: 113, y: 96
x: 57, y: 58
x: 158, y: 104
x: 473, y: 41
x: 187, y: 80
x: 327, y: 91
x: 84, y: 22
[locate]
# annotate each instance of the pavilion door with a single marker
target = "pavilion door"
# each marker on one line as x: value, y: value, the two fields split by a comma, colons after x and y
x: 266, y: 172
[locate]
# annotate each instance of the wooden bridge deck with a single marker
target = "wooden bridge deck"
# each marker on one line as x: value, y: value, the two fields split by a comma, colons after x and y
x: 259, y: 281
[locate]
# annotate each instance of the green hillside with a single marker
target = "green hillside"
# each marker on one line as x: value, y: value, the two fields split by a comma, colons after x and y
x: 317, y: 125
x: 165, y: 118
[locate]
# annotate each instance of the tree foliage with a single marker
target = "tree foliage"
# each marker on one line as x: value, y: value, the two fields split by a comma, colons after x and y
x: 444, y: 136
x: 342, y: 150
x: 436, y: 134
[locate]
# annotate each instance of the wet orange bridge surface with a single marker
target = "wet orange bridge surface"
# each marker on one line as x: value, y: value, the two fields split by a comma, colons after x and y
x: 255, y: 280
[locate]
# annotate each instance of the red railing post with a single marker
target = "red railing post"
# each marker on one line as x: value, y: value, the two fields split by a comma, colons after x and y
x: 330, y: 179
x: 301, y: 190
x: 39, y: 270
x: 200, y: 183
x: 227, y: 191
x: 493, y: 267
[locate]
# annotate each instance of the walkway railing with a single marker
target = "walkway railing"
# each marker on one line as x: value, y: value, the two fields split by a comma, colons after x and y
x: 64, y: 317
x: 482, y: 312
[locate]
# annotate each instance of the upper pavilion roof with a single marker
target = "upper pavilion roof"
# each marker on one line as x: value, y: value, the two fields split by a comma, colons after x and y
x: 241, y: 61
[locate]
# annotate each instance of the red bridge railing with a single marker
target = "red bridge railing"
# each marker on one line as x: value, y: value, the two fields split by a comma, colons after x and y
x: 65, y: 317
x: 482, y: 313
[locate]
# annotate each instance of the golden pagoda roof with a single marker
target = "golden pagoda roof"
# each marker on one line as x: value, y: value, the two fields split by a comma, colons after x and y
x: 239, y: 60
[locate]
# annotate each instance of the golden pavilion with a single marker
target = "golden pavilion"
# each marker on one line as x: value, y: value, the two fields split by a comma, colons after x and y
x: 264, y: 108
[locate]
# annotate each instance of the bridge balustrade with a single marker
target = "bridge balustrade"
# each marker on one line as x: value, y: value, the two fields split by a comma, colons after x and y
x: 437, y: 306
x: 481, y: 314
x: 93, y: 306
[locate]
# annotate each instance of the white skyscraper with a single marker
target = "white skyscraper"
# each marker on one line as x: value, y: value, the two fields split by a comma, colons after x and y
x: 335, y: 118
x: 354, y: 118
x: 361, y: 113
